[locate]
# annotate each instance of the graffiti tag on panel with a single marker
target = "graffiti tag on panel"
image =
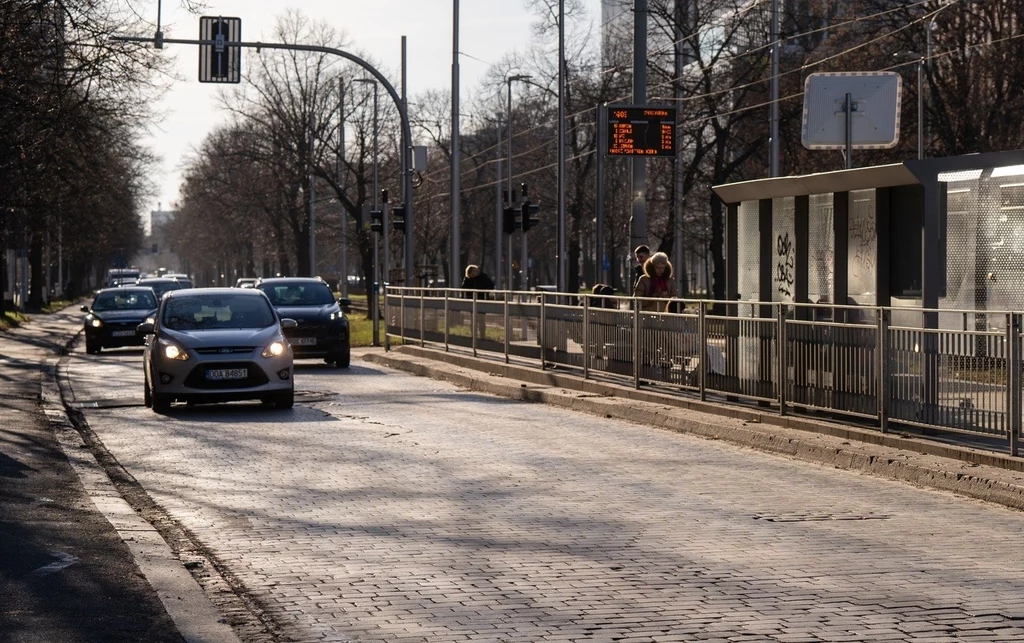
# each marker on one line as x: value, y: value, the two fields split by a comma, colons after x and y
x: 785, y: 266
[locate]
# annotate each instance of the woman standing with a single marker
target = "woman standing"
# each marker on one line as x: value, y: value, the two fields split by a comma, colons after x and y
x: 656, y: 283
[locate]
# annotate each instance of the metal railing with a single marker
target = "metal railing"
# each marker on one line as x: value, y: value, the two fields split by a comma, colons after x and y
x: 953, y: 370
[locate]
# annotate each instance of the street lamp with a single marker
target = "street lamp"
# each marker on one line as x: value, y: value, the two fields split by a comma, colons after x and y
x: 377, y: 268
x: 524, y: 284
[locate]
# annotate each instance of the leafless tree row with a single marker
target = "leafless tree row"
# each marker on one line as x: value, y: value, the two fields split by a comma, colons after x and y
x: 73, y: 105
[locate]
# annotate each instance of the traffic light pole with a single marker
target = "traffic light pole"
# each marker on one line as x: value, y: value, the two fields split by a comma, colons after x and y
x: 403, y: 114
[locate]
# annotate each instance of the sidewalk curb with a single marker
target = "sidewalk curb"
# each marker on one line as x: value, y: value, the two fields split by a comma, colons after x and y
x: 193, y: 613
x: 968, y: 472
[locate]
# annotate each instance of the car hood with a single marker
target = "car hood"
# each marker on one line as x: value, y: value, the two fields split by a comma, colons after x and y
x: 224, y: 337
x: 308, y: 313
x: 123, y: 315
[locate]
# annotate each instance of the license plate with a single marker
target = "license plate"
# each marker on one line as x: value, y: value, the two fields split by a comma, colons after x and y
x: 227, y: 374
x: 122, y: 333
x: 303, y: 341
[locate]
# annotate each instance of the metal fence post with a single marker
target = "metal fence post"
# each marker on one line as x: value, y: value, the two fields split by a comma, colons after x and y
x: 402, y: 313
x: 1013, y: 380
x: 702, y: 332
x: 508, y: 323
x: 446, y: 320
x: 586, y: 337
x: 884, y: 383
x: 423, y: 319
x: 387, y: 316
x: 472, y: 324
x: 636, y: 343
x: 540, y: 329
x: 781, y: 362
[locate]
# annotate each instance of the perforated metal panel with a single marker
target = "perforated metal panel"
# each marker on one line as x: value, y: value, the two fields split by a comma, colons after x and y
x: 748, y: 250
x: 963, y: 220
x: 821, y: 248
x: 783, y: 249
x: 863, y: 248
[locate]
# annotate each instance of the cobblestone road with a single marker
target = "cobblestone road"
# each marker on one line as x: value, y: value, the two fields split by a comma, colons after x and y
x: 386, y: 507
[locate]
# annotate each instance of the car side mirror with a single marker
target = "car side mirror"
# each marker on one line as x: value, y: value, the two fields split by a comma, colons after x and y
x: 345, y: 302
x: 145, y: 328
x: 85, y: 309
x: 288, y: 323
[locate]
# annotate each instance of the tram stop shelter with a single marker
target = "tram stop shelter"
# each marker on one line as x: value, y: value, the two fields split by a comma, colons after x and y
x: 943, y: 233
x: 928, y: 254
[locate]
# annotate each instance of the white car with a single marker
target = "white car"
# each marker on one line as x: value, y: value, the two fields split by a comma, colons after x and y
x: 217, y: 345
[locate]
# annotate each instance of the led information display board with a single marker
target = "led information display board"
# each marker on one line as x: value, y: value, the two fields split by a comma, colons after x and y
x: 642, y: 130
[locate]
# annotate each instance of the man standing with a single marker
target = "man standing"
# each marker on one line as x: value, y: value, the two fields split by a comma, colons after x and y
x: 642, y: 254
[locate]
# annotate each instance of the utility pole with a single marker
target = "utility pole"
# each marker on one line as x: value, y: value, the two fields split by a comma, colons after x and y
x: 638, y: 217
x: 454, y: 259
x: 524, y: 257
x: 340, y: 175
x: 311, y: 195
x: 498, y: 276
x: 773, y: 161
x: 563, y: 260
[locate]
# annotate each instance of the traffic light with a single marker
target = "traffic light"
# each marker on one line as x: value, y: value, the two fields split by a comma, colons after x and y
x: 398, y: 217
x: 529, y: 214
x: 377, y: 221
x: 510, y: 221
x: 384, y: 195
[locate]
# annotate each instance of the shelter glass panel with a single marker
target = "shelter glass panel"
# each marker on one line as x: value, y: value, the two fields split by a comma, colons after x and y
x: 965, y: 235
x: 748, y: 250
x: 784, y: 249
x: 1005, y: 272
x: 863, y: 248
x: 821, y: 247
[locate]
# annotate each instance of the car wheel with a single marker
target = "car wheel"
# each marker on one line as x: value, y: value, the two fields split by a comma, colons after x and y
x: 161, y: 403
x: 285, y: 400
x: 92, y: 348
x: 147, y: 394
x: 342, y: 359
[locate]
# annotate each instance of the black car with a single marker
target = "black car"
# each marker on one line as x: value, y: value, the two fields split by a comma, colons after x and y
x: 160, y: 285
x: 322, y: 329
x: 115, y: 313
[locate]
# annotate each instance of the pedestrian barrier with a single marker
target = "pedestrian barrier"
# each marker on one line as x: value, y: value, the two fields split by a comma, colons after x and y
x: 954, y: 370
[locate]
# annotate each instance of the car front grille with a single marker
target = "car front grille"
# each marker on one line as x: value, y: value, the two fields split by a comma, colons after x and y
x: 197, y: 377
x: 225, y: 350
x: 307, y: 329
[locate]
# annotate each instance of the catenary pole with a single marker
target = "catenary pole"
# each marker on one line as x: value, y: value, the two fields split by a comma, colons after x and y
x: 454, y: 258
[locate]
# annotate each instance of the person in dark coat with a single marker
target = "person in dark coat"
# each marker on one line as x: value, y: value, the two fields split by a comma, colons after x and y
x: 476, y: 279
x: 642, y: 254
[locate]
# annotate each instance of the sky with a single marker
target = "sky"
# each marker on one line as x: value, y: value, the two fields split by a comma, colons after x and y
x: 189, y: 110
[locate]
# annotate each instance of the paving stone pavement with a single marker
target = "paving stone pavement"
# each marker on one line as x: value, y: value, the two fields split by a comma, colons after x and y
x: 386, y: 507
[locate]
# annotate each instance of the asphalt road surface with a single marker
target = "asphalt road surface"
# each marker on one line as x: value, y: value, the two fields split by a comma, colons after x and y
x: 386, y: 507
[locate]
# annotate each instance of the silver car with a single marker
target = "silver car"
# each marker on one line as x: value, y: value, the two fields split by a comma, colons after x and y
x: 216, y: 345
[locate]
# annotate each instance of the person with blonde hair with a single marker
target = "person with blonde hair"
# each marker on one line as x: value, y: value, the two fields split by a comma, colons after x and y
x: 656, y: 283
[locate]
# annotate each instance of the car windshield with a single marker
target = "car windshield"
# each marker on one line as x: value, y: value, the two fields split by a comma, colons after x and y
x: 298, y: 294
x: 137, y: 300
x: 205, y: 312
x: 160, y: 287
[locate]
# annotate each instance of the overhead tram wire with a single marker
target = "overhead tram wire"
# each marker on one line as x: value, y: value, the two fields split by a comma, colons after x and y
x: 733, y: 59
x: 801, y: 69
x: 746, y: 108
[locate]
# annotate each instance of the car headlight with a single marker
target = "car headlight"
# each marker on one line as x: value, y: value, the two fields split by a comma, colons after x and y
x: 95, y: 322
x: 274, y: 349
x: 171, y: 350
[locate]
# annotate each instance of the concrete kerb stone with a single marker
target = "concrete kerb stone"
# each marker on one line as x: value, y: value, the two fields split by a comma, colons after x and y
x: 969, y: 472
